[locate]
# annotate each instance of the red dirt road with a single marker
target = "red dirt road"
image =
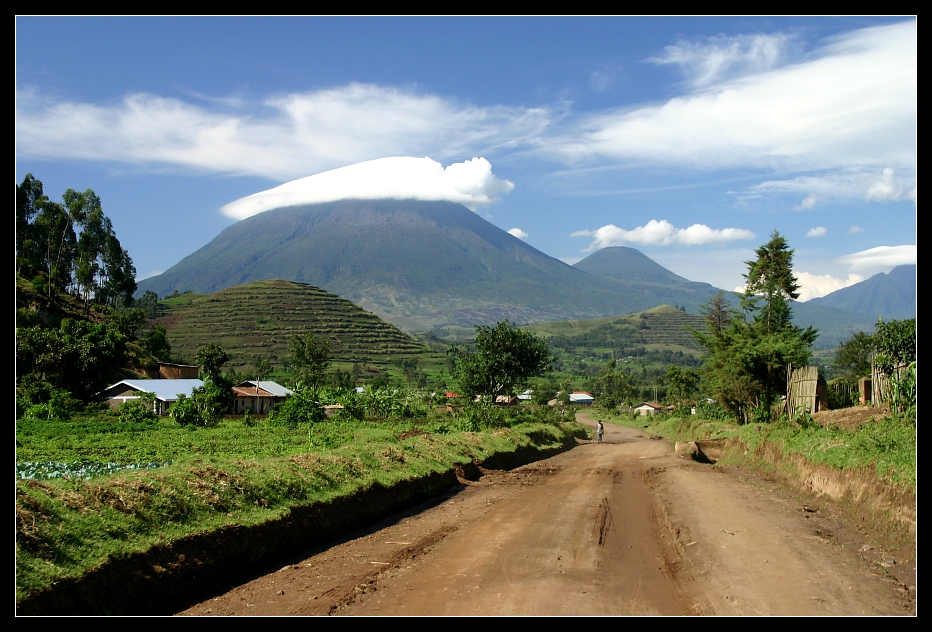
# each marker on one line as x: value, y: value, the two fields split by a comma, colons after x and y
x: 622, y: 528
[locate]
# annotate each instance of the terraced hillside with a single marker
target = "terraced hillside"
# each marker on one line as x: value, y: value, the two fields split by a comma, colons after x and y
x: 664, y: 326
x: 257, y: 320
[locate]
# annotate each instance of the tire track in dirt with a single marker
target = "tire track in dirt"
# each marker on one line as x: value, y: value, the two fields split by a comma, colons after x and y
x: 620, y: 528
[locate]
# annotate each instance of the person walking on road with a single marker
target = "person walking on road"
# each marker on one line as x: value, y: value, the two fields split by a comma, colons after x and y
x: 599, y: 429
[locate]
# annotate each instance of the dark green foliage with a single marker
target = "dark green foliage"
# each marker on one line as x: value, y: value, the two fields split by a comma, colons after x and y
x: 842, y: 394
x: 682, y: 385
x: 614, y: 386
x: 309, y: 358
x: 502, y: 362
x: 301, y: 407
x: 211, y: 358
x: 139, y: 410
x: 80, y: 357
x: 204, y: 408
x: 155, y: 343
x: 748, y: 356
x: 853, y: 357
x: 148, y: 303
x: 712, y: 411
x: 895, y: 343
x: 71, y: 247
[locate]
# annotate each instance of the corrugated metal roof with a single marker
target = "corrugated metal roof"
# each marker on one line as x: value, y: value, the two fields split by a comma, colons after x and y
x: 272, y: 387
x: 581, y: 397
x: 165, y: 390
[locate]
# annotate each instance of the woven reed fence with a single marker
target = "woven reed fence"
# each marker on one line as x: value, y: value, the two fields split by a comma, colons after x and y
x: 805, y: 389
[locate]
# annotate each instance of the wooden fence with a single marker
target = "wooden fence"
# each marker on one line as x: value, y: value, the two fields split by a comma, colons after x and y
x: 805, y: 389
x: 880, y: 383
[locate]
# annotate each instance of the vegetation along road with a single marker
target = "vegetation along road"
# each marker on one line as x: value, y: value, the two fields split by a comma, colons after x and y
x: 628, y: 527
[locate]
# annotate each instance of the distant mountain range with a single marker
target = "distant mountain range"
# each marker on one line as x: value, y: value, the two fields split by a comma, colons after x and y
x: 891, y: 296
x: 419, y: 265
x: 427, y: 266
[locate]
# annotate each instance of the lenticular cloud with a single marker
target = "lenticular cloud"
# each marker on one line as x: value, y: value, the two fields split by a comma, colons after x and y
x: 470, y: 183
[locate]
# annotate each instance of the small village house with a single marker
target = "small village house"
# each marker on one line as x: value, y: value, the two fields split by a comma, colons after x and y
x: 649, y: 408
x: 166, y: 392
x: 258, y: 396
x: 581, y: 398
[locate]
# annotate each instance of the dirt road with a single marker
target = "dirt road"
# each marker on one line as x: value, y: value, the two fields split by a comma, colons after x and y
x: 625, y: 527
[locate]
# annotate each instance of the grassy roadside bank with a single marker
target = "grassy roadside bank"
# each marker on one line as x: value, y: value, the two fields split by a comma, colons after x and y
x: 868, y: 472
x: 141, y: 541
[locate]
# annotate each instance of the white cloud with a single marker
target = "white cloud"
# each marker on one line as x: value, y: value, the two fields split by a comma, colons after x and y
x: 880, y: 259
x: 817, y: 285
x: 517, y: 232
x: 852, y: 105
x: 282, y: 138
x: 716, y: 58
x: 885, y: 188
x: 855, y: 229
x: 470, y: 183
x: 809, y: 202
x: 818, y: 231
x: 877, y: 185
x: 661, y: 233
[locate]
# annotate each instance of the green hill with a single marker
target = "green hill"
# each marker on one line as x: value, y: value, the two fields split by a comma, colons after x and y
x: 659, y: 336
x: 257, y: 320
x: 660, y: 327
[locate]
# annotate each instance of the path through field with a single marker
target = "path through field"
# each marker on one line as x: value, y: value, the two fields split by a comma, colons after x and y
x: 625, y: 527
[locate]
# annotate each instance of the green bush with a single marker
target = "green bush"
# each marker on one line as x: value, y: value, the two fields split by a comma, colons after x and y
x: 204, y: 408
x: 713, y: 411
x: 139, y: 410
x: 301, y: 407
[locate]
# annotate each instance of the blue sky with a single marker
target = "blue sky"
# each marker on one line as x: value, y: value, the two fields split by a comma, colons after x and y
x: 690, y: 139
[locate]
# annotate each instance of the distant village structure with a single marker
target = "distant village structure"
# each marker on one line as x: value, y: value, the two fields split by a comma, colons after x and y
x: 169, y: 371
x: 173, y: 380
x: 166, y: 392
x: 259, y: 397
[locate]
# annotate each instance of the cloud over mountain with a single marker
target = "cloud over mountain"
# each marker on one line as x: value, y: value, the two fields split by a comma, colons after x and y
x: 470, y: 183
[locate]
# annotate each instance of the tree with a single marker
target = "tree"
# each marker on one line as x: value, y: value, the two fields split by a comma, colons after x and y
x: 681, y: 384
x: 205, y: 406
x: 747, y: 357
x: 79, y: 357
x: 261, y: 368
x: 615, y: 387
x: 853, y: 356
x: 503, y: 360
x: 895, y: 344
x: 309, y: 358
x: 211, y: 358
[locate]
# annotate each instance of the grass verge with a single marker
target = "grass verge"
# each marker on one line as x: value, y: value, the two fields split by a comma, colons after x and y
x: 138, y: 541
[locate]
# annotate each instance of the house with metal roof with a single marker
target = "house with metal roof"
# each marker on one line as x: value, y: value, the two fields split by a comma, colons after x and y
x: 581, y: 398
x: 258, y: 396
x: 166, y: 392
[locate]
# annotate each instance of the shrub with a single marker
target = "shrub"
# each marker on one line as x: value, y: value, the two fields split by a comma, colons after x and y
x: 139, y: 410
x: 301, y: 407
x: 204, y: 408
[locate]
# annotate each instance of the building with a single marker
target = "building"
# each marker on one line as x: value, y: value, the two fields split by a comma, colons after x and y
x: 258, y: 396
x: 170, y: 371
x: 166, y: 392
x: 649, y: 408
x: 581, y: 398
